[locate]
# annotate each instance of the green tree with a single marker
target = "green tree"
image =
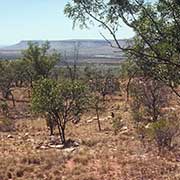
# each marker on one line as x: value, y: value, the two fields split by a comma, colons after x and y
x: 148, y: 98
x: 62, y: 101
x: 129, y: 70
x: 39, y: 61
x: 102, y: 82
x: 19, y: 68
x: 155, y: 47
x: 7, y: 77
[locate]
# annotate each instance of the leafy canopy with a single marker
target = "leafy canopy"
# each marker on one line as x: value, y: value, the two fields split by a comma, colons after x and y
x: 156, y: 45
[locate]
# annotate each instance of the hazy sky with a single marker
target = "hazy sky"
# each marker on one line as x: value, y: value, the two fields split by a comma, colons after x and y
x: 41, y: 20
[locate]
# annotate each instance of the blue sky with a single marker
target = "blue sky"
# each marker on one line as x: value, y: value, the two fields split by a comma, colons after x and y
x: 41, y: 20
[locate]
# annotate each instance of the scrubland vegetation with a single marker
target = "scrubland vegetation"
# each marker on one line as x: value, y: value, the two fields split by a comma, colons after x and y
x: 94, y: 123
x: 85, y: 122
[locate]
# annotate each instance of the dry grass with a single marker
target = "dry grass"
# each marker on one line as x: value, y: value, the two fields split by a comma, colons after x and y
x: 100, y: 156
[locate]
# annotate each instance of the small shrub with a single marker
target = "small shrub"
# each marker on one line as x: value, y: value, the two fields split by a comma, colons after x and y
x: 149, y: 96
x: 137, y: 114
x: 6, y: 125
x: 117, y: 124
x: 90, y: 142
x: 142, y: 133
x: 83, y: 159
x: 4, y: 108
x: 61, y: 100
x: 164, y: 132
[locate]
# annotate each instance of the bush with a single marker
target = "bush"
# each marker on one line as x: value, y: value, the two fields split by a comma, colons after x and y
x: 117, y: 124
x: 149, y: 96
x: 164, y: 132
x: 61, y: 101
x: 6, y: 125
x: 4, y: 108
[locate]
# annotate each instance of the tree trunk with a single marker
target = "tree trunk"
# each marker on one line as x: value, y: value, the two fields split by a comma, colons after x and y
x: 13, y: 100
x: 61, y: 130
x: 99, y: 124
x: 63, y: 135
x: 51, y: 126
x: 60, y: 133
x: 128, y: 84
x: 127, y: 88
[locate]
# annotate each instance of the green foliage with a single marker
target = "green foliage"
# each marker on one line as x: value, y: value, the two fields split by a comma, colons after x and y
x: 7, y: 79
x: 117, y: 124
x: 37, y: 63
x: 129, y: 69
x: 155, y: 46
x: 102, y: 82
x: 49, y: 96
x: 148, y: 98
x: 20, y: 69
x: 164, y: 132
x: 45, y: 96
x: 39, y: 60
x: 4, y: 107
x: 6, y: 76
x: 6, y: 125
x: 62, y: 101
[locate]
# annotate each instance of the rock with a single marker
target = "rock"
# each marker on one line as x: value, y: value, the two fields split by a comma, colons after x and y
x: 76, y: 144
x: 69, y: 150
x: 60, y: 146
x: 38, y: 146
x: 43, y: 147
x: 94, y: 118
x: 9, y: 136
x: 124, y: 128
x: 26, y: 135
x: 52, y: 146
x: 89, y: 121
x: 126, y: 131
x: 54, y: 140
x: 46, y: 142
x: 148, y: 126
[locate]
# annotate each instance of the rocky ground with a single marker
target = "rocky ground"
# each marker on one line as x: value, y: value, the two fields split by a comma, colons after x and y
x: 29, y: 153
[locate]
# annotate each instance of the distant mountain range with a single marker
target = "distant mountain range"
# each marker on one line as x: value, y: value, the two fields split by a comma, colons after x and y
x: 89, y: 51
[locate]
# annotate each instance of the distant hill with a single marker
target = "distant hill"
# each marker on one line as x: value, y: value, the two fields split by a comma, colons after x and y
x: 89, y: 50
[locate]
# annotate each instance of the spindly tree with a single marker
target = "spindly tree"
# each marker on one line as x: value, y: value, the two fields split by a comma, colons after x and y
x: 97, y: 105
x: 102, y: 82
x: 129, y: 70
x: 63, y: 101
